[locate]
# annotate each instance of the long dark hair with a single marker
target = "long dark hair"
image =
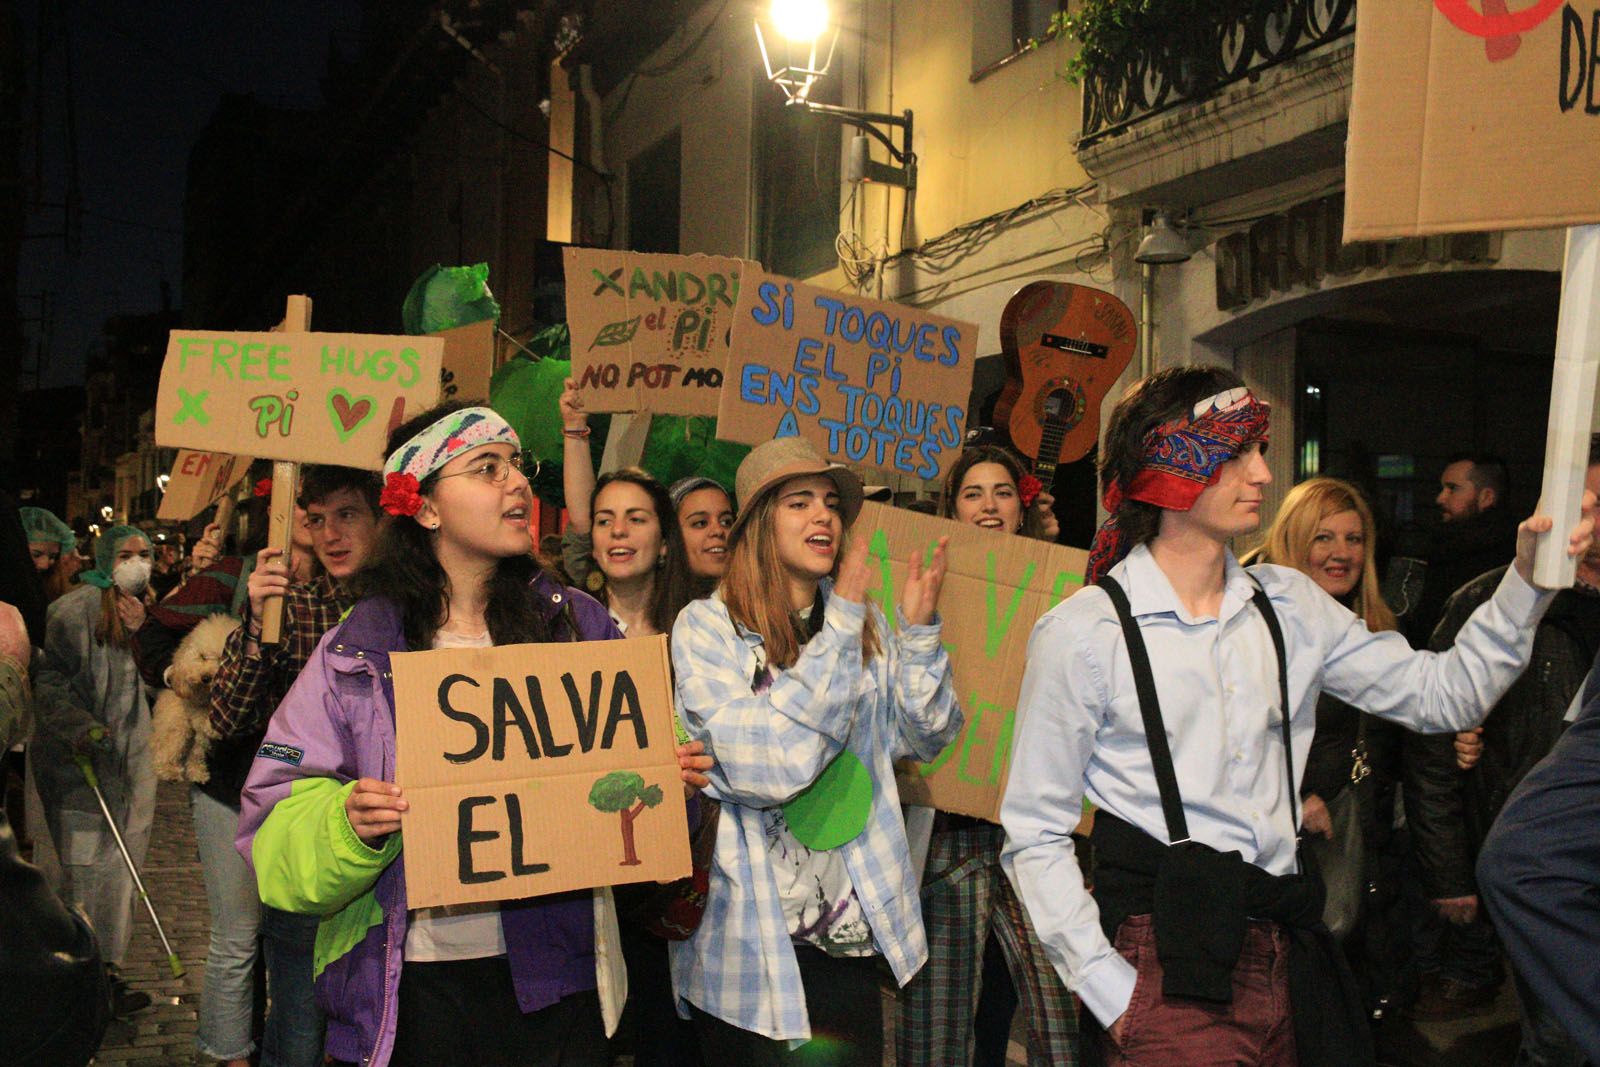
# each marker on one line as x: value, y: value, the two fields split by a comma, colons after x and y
x: 672, y: 587
x: 406, y: 570
x: 1150, y: 402
x: 973, y: 455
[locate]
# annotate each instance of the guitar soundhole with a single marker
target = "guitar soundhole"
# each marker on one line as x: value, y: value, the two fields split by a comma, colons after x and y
x: 1061, y: 408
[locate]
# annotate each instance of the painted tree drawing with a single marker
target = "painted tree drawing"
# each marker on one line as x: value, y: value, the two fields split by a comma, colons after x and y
x: 624, y: 792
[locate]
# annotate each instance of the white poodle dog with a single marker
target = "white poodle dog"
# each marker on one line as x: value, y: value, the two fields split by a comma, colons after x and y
x: 181, y: 721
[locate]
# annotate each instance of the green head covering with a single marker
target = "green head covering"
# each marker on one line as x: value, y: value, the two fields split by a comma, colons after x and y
x: 44, y: 528
x: 105, y: 554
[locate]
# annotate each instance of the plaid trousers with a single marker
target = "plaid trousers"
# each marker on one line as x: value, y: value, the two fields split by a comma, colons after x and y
x: 965, y: 896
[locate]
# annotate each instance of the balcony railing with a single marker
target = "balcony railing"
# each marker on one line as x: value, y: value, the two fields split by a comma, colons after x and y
x: 1192, y: 57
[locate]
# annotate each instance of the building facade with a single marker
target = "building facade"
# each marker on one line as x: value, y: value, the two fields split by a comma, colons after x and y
x: 1380, y: 360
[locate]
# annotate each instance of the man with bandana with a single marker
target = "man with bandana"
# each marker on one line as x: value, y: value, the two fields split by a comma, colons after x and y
x: 1160, y: 696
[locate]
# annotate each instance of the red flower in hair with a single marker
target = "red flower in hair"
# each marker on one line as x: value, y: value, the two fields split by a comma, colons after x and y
x: 1029, y: 489
x: 263, y: 487
x: 400, y: 496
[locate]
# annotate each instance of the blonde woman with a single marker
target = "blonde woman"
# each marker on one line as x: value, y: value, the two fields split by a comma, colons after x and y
x: 1325, y: 530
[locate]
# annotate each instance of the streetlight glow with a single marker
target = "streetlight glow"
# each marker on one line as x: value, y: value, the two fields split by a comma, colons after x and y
x: 801, y: 21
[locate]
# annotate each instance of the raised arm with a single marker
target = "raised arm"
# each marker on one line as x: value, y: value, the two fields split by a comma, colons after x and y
x: 1431, y: 692
x: 577, y: 464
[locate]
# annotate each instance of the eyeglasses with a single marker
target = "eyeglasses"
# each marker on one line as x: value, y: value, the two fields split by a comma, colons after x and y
x: 491, y: 468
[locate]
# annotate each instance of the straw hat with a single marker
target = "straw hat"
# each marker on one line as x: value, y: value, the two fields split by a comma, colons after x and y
x: 772, y: 463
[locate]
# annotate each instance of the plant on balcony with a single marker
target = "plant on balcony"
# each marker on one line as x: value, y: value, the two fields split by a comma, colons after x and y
x: 1106, y: 30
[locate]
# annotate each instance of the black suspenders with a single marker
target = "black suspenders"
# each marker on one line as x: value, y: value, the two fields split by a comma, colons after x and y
x: 1150, y: 708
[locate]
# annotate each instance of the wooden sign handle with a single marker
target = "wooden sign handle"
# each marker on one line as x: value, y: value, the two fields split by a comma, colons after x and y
x: 285, y: 479
x: 1572, y: 405
x: 224, y: 516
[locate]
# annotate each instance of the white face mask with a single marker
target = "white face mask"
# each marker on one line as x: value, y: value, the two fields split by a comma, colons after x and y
x: 132, y: 575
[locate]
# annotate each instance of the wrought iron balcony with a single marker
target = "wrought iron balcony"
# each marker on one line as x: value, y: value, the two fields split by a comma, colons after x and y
x: 1191, y: 56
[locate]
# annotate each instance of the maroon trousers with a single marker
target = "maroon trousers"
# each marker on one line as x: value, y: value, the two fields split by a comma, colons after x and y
x: 1256, y: 1030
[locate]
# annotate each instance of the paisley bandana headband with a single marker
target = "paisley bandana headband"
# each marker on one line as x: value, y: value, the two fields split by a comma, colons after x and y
x: 435, y: 446
x: 1182, y: 458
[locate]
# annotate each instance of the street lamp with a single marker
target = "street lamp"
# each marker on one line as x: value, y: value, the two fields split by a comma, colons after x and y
x: 1163, y: 244
x: 800, y: 55
x: 106, y: 512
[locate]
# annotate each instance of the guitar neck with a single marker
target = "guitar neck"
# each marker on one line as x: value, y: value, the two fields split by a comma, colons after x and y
x: 1044, y: 465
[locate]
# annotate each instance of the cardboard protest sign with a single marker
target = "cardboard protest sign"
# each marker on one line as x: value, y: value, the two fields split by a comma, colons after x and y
x: 650, y: 331
x: 1468, y: 116
x: 996, y: 588
x: 198, y: 480
x: 870, y: 383
x: 301, y: 397
x: 535, y: 769
x: 468, y: 361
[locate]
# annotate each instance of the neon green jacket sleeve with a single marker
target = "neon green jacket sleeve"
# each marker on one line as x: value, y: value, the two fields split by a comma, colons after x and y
x: 307, y: 856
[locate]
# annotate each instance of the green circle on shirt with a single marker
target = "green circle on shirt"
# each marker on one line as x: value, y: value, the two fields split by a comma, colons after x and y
x: 833, y: 810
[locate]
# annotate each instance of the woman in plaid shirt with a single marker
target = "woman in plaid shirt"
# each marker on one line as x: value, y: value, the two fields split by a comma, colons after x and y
x: 806, y: 698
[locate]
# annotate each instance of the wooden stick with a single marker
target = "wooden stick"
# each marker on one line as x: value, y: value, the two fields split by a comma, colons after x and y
x: 285, y: 478
x: 224, y: 517
x: 1572, y: 408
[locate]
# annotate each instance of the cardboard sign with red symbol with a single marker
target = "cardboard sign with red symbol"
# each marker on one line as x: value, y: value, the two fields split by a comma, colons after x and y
x: 1473, y: 115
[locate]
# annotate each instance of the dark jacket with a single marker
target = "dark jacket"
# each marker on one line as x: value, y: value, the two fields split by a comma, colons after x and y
x: 1460, y: 552
x: 55, y: 1000
x: 1333, y: 746
x: 1456, y: 808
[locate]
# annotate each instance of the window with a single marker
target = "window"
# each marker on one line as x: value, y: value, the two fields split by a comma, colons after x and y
x: 1001, y: 29
x: 797, y: 181
x: 655, y: 183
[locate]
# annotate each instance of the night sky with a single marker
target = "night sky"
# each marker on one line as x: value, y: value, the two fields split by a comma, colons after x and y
x: 144, y: 77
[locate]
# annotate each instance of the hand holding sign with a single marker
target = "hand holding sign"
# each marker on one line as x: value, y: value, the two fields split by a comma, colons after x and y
x: 693, y: 763
x: 1534, y: 529
x: 374, y: 809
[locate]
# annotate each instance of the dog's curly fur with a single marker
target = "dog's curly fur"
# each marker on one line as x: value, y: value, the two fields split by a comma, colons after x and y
x: 181, y: 722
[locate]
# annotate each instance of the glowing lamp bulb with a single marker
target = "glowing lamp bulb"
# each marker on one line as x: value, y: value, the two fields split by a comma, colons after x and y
x: 800, y: 20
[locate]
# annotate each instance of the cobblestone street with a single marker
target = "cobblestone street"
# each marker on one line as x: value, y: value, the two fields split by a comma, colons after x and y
x: 163, y: 1034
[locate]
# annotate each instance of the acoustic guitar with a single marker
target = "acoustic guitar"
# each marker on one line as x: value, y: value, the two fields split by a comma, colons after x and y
x: 1065, y: 345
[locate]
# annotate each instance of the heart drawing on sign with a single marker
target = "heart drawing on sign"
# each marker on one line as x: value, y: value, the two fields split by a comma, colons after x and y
x: 349, y: 412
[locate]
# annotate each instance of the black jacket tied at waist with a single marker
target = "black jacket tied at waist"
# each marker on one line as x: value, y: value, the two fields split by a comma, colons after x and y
x: 1201, y: 901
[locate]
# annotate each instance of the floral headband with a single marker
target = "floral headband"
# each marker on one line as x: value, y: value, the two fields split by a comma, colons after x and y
x: 435, y: 446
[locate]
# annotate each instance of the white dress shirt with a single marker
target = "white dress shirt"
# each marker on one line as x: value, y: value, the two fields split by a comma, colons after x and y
x: 1080, y: 731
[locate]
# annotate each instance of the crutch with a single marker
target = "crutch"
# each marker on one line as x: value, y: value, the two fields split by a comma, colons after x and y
x: 94, y: 783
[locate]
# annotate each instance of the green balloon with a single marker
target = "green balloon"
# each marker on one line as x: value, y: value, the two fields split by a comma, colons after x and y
x: 833, y: 810
x: 443, y: 298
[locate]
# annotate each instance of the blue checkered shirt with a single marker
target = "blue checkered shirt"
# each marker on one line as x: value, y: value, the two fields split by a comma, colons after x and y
x: 740, y: 966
